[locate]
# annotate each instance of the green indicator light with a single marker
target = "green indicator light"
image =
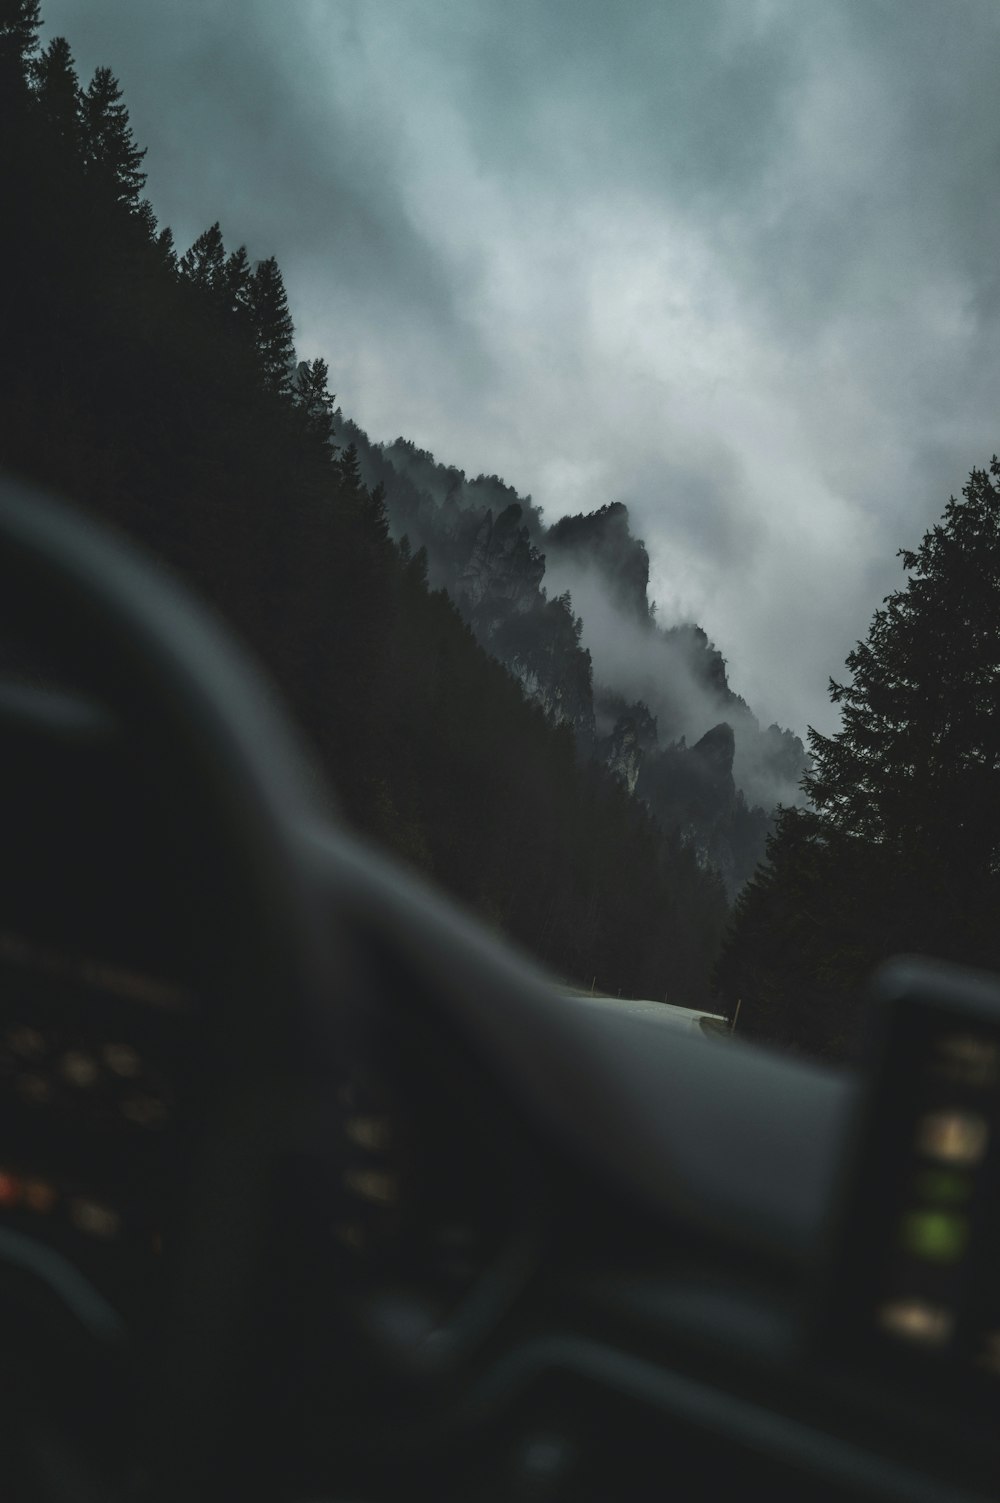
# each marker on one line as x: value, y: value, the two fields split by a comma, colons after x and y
x: 944, y: 1187
x: 935, y: 1236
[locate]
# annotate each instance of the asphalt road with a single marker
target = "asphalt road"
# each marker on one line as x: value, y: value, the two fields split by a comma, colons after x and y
x: 664, y: 1013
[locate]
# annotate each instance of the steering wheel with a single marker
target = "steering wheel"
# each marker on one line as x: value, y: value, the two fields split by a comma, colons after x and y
x: 156, y: 661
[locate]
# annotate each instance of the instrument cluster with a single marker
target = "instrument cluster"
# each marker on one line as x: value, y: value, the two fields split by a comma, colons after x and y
x: 94, y: 1065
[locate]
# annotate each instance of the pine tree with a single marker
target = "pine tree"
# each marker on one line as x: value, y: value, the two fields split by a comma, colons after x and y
x: 204, y: 264
x: 19, y: 25
x: 900, y: 849
x: 165, y: 249
x: 349, y: 468
x: 916, y: 765
x: 58, y: 92
x: 314, y: 400
x: 237, y: 286
x: 112, y: 157
x: 227, y: 285
x: 378, y: 519
x: 273, y: 328
x: 20, y: 21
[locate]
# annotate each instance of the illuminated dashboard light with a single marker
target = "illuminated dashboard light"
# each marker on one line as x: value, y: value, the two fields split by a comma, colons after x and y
x: 122, y: 1060
x: 39, y: 1196
x: 10, y: 1190
x: 953, y: 1137
x: 93, y: 1218
x: 934, y: 1236
x: 25, y: 1041
x: 917, y: 1320
x: 79, y: 1069
x: 369, y: 1132
x: 144, y: 1111
x: 33, y: 1088
x: 373, y: 1184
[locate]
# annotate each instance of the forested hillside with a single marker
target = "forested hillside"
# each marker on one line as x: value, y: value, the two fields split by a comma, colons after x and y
x: 159, y: 390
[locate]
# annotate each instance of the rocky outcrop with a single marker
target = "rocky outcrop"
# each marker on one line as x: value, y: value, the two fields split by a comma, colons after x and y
x: 541, y: 647
x: 712, y: 757
x: 504, y: 570
x: 632, y: 739
x: 601, y: 541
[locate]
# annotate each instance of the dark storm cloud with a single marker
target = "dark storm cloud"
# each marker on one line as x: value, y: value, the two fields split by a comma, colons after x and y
x: 732, y: 261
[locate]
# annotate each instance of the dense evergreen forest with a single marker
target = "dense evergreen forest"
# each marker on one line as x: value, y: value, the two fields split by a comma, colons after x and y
x: 898, y: 850
x: 159, y: 391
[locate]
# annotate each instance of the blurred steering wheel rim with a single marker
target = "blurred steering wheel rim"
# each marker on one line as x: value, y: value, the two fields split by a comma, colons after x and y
x: 151, y: 652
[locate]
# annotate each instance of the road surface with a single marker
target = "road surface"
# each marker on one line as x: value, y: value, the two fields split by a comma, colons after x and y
x: 687, y: 1019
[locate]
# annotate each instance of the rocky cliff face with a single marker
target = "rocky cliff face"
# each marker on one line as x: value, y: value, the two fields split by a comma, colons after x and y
x: 541, y: 646
x: 692, y: 789
x: 630, y: 741
x: 503, y: 572
x: 602, y: 542
x: 634, y: 697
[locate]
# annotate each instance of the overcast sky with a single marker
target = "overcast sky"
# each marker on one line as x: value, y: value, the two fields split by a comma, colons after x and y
x: 733, y: 262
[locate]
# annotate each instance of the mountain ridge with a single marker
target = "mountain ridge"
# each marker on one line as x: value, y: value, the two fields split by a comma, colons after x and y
x: 565, y: 608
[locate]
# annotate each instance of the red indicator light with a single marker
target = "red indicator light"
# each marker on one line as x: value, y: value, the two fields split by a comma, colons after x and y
x: 10, y: 1190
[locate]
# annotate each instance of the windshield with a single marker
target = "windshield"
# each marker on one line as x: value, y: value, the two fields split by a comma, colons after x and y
x: 544, y: 394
